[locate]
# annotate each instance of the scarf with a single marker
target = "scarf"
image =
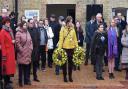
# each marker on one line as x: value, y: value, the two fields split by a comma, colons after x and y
x: 8, y: 29
x: 112, y: 49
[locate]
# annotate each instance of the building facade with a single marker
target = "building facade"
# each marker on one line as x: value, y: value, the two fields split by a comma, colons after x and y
x: 76, y: 8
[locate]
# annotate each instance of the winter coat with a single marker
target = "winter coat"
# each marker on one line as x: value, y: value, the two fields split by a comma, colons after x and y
x: 35, y: 35
x: 50, y: 37
x: 124, y: 41
x: 8, y: 52
x: 67, y: 38
x: 24, y: 46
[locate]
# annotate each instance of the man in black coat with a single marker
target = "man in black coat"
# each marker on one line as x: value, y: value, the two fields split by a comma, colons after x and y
x: 13, y: 23
x: 54, y: 25
x: 35, y: 53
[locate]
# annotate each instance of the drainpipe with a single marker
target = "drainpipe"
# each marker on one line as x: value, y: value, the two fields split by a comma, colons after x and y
x: 94, y: 1
x: 16, y: 10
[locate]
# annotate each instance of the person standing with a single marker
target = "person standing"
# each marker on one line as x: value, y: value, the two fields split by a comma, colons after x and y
x: 68, y: 41
x: 121, y: 25
x: 89, y: 33
x: 61, y: 24
x: 43, y: 43
x: 112, y: 48
x: 100, y: 20
x: 80, y: 37
x: 34, y: 33
x: 24, y: 46
x: 53, y: 25
x: 8, y: 53
x: 99, y: 45
x: 13, y: 22
x: 124, y: 59
x: 50, y: 42
x: 79, y: 32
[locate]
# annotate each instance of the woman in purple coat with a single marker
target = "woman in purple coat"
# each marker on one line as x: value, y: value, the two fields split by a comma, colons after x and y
x: 112, y: 48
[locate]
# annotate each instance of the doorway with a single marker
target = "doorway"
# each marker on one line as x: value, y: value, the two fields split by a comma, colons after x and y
x: 61, y: 10
x: 92, y: 10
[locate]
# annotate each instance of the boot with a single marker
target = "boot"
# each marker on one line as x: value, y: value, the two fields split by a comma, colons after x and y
x: 110, y: 75
x: 70, y: 77
x: 65, y: 78
x: 113, y: 76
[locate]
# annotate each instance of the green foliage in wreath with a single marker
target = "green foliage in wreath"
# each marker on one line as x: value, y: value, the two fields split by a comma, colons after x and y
x: 59, y: 57
x: 78, y: 56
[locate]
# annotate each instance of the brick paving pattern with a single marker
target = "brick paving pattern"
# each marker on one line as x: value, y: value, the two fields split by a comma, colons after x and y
x: 83, y: 79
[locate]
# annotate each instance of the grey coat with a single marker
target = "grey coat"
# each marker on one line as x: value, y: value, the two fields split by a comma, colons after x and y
x: 124, y: 41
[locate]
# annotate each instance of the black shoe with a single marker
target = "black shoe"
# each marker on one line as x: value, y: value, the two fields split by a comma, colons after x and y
x: 8, y: 86
x: 20, y: 85
x: 113, y: 76
x: 70, y: 79
x: 86, y: 63
x: 103, y: 70
x: 94, y: 70
x: 65, y: 79
x: 98, y: 78
x: 28, y: 83
x: 36, y: 80
x: 101, y: 78
x: 50, y: 66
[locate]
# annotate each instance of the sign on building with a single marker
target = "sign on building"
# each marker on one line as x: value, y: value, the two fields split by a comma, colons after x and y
x: 31, y: 13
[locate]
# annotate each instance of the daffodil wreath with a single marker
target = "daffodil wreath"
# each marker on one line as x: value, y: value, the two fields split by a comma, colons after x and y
x: 59, y: 57
x: 78, y: 56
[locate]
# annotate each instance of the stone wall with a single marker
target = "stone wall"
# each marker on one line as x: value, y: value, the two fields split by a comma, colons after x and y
x: 80, y: 6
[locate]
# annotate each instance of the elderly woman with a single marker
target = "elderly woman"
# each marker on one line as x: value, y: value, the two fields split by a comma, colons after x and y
x: 68, y: 41
x: 24, y: 47
x: 124, y: 60
x: 8, y: 54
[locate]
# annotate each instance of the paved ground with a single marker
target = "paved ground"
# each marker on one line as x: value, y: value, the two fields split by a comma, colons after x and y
x: 83, y: 79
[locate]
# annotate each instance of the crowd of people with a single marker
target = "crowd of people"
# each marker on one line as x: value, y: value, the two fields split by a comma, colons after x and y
x: 29, y: 42
x: 105, y: 44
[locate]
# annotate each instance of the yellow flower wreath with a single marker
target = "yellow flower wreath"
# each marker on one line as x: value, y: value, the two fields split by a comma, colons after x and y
x: 78, y: 56
x: 59, y: 57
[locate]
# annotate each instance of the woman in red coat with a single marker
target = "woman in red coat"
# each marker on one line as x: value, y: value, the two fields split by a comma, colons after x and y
x: 8, y: 55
